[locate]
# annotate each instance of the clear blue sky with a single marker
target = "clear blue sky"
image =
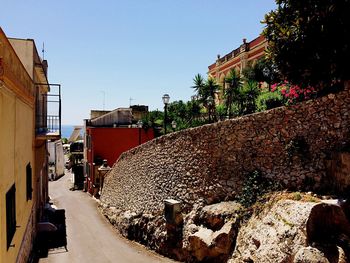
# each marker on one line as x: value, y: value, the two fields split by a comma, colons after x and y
x: 136, y: 49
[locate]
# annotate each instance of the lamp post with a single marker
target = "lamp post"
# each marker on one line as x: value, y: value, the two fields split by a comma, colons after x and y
x: 139, y: 125
x: 166, y: 99
x: 103, y: 170
x: 173, y: 125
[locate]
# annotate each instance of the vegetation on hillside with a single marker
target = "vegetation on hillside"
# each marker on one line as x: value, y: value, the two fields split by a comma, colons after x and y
x: 307, y: 55
x: 308, y: 43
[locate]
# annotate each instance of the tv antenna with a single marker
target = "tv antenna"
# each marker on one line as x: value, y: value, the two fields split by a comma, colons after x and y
x: 130, y: 100
x: 43, y: 50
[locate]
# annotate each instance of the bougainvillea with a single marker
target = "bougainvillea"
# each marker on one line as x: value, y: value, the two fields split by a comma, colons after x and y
x: 293, y: 93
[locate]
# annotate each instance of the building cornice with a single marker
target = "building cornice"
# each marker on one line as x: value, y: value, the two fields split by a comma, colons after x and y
x: 12, y: 72
x: 251, y: 48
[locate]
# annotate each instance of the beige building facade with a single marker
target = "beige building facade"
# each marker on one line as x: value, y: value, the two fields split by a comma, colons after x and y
x: 23, y: 153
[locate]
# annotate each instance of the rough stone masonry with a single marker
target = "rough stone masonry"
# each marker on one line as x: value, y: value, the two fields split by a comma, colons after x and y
x: 288, y: 144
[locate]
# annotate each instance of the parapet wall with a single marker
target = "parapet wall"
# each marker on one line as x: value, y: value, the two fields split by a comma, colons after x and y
x: 288, y: 144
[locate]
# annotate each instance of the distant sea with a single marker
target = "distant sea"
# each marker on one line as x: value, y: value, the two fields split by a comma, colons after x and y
x: 67, y: 130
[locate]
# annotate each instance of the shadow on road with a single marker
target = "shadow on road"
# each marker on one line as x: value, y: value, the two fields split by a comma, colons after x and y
x: 51, y: 234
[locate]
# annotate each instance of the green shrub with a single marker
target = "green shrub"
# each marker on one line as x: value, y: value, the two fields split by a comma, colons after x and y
x: 221, y: 111
x: 269, y: 100
x: 254, y: 187
x: 297, y: 196
x: 297, y: 147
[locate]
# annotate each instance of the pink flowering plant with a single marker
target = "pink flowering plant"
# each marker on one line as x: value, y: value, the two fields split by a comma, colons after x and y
x: 293, y: 93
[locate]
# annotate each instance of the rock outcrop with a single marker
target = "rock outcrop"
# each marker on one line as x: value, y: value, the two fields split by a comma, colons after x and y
x: 211, y: 230
x: 281, y: 230
x: 295, y: 231
x: 208, y: 244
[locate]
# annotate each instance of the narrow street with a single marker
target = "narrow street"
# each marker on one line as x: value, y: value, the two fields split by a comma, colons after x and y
x: 90, y: 237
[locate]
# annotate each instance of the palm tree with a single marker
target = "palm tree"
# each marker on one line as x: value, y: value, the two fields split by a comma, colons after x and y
x: 211, y: 88
x: 199, y: 85
x: 232, y: 92
x: 250, y: 91
x: 206, y: 91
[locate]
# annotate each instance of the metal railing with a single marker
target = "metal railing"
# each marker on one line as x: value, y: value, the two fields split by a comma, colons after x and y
x: 48, y: 111
x: 54, y: 124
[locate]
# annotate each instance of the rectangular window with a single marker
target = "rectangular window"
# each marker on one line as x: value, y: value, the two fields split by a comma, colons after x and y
x: 10, y: 214
x: 29, y: 181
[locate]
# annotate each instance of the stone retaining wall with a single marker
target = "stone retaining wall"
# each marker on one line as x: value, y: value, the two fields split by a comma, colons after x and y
x: 288, y: 144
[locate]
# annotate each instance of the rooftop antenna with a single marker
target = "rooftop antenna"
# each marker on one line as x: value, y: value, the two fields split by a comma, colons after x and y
x: 43, y: 51
x: 130, y: 100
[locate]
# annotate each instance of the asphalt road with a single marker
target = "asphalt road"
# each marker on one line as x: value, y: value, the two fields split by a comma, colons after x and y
x: 90, y: 237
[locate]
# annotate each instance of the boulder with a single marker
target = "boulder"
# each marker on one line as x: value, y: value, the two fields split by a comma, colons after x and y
x: 214, y: 216
x: 274, y: 235
x: 326, y: 254
x: 310, y: 255
x: 295, y: 231
x: 327, y: 222
x: 210, y: 231
x: 209, y: 244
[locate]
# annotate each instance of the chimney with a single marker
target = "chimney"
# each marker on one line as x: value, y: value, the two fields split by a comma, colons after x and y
x: 45, y: 66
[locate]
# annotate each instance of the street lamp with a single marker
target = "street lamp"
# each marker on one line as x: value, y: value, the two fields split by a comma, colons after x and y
x: 103, y: 170
x: 139, y: 125
x: 166, y: 99
x: 173, y: 125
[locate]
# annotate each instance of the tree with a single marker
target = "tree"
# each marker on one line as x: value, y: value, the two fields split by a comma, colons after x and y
x: 206, y: 91
x: 193, y: 112
x: 178, y: 112
x: 221, y: 111
x: 262, y: 71
x: 309, y: 41
x: 232, y: 90
x: 250, y: 92
x: 199, y: 86
x: 154, y: 119
x: 212, y: 87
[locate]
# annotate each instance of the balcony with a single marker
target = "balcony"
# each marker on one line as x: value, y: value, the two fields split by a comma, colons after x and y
x: 48, y: 111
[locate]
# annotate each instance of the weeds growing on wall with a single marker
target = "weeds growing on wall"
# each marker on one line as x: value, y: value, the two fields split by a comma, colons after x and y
x: 254, y: 187
x: 297, y: 147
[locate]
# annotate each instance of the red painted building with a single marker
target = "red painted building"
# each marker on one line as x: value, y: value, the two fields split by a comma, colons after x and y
x: 106, y: 138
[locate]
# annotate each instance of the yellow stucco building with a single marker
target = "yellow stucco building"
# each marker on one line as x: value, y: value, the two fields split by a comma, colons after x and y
x: 23, y: 152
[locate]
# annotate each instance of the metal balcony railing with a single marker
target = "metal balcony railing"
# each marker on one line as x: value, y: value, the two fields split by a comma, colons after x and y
x: 48, y: 111
x: 53, y: 124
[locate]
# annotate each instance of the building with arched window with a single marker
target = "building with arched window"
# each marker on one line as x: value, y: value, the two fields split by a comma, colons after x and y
x: 239, y: 58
